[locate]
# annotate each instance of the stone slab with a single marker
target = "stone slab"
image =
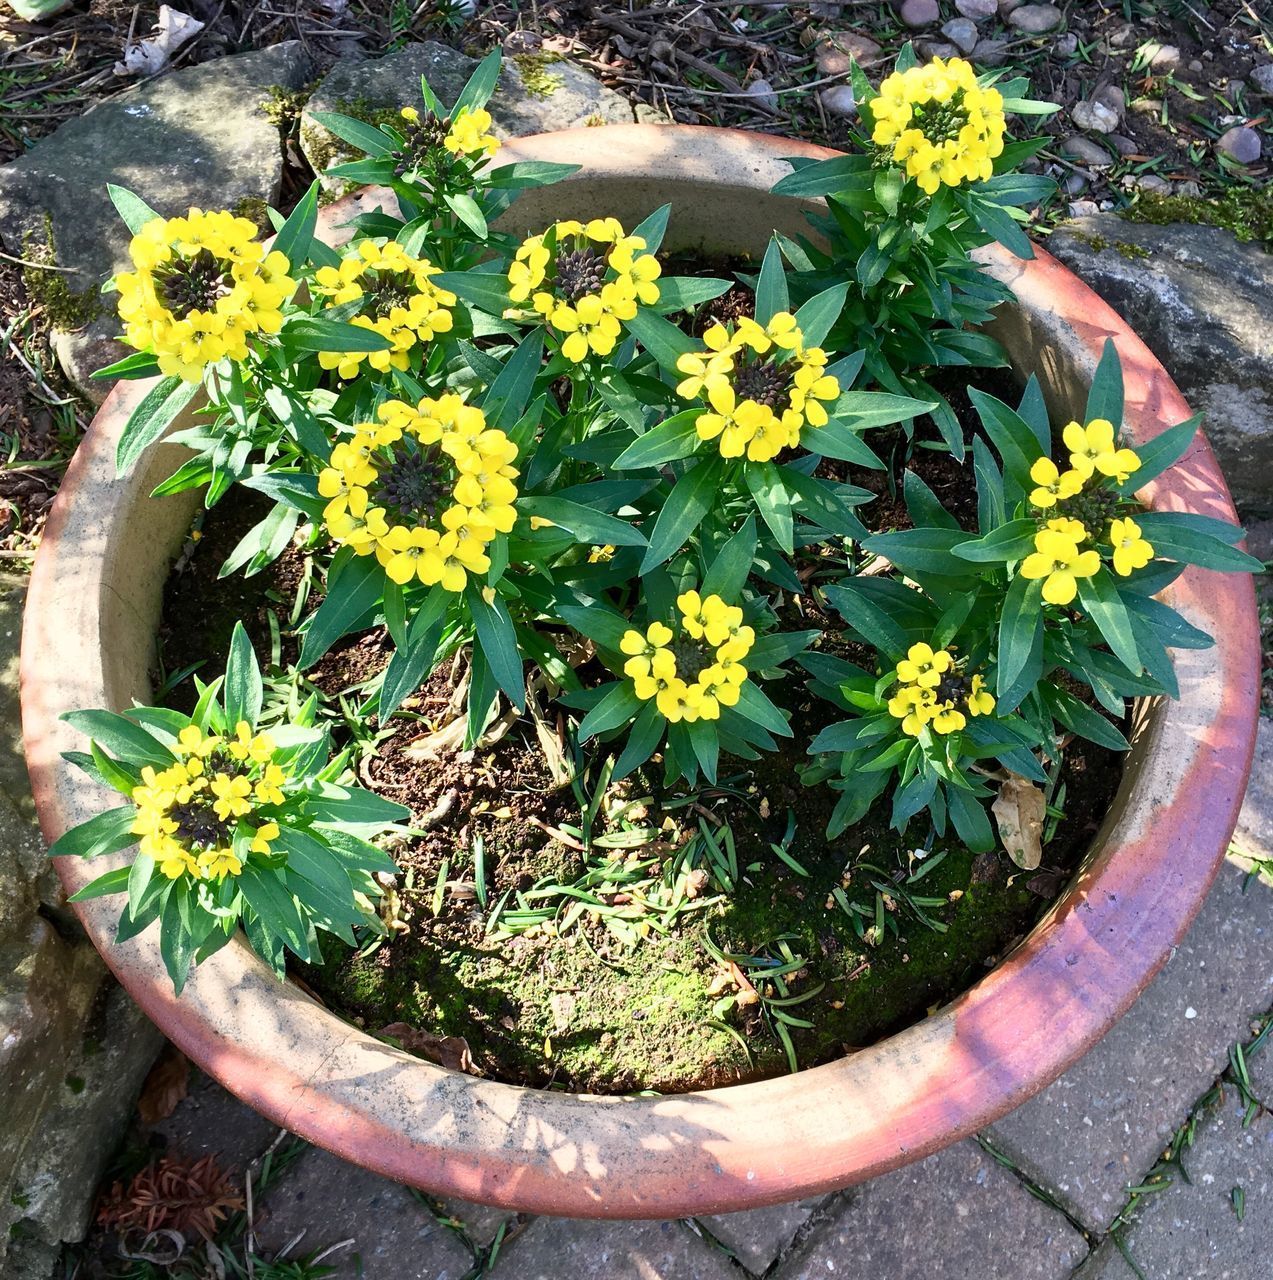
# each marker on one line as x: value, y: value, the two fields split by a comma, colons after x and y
x: 395, y: 1236
x: 555, y: 1248
x: 1192, y: 1231
x: 953, y: 1216
x: 211, y: 1121
x: 1254, y: 832
x: 480, y: 1222
x: 1102, y: 1125
x: 1199, y: 299
x: 536, y: 96
x: 196, y: 136
x: 758, y: 1236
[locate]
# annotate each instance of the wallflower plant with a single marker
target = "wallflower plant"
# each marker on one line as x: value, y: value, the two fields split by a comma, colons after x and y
x: 234, y: 824
x: 512, y: 445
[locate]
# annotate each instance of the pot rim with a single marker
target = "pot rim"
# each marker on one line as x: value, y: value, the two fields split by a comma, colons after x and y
x: 747, y: 1145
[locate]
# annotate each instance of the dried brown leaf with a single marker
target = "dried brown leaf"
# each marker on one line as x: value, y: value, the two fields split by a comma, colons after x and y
x: 451, y: 1052
x: 1019, y: 811
x: 166, y: 1085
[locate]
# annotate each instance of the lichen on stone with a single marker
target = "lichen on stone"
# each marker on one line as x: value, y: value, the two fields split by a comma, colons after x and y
x: 537, y: 80
x: 49, y: 288
x: 1245, y: 211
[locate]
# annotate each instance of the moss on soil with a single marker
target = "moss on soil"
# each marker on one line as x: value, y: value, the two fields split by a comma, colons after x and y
x: 1245, y: 211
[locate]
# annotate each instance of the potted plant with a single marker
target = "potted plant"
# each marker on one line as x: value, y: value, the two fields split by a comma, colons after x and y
x: 502, y: 425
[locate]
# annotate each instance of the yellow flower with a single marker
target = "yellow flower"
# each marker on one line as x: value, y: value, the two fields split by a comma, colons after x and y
x: 265, y: 833
x: 1059, y: 562
x: 1131, y: 550
x: 175, y: 861
x: 469, y: 134
x: 232, y: 796
x: 246, y: 746
x: 939, y: 124
x: 601, y: 555
x: 398, y: 300
x: 1073, y: 529
x: 1053, y: 485
x: 706, y: 369
x: 203, y: 285
x: 745, y: 427
x: 923, y: 666
x: 269, y: 786
x: 217, y: 863
x: 981, y: 702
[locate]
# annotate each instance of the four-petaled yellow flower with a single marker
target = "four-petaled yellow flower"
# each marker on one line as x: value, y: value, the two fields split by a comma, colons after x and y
x: 1056, y: 559
x: 1054, y: 485
x: 1093, y: 449
x: 923, y: 666
x: 470, y: 133
x: 1131, y: 550
x: 931, y: 687
x: 939, y: 124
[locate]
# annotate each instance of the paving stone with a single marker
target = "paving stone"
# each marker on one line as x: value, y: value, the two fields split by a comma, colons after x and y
x: 211, y: 1121
x: 1254, y: 833
x: 395, y: 1236
x: 1101, y: 1126
x: 559, y: 96
x: 481, y: 1222
x: 1260, y: 1069
x: 953, y: 1216
x: 1191, y: 1231
x: 554, y: 1248
x: 758, y: 1236
x: 196, y: 136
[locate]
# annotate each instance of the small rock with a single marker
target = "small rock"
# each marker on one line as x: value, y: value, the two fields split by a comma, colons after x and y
x: 1036, y: 19
x: 1124, y: 145
x: 1151, y: 182
x: 930, y: 49
x: 990, y: 53
x: 962, y: 32
x: 977, y: 10
x: 1111, y: 96
x: 1082, y: 208
x: 919, y: 13
x: 837, y: 50
x: 1195, y: 65
x: 762, y: 94
x: 1074, y: 184
x: 1240, y: 144
x: 1094, y: 117
x: 1086, y: 152
x: 519, y: 42
x: 1162, y: 57
x: 1262, y: 78
x: 1007, y: 6
x: 1188, y: 188
x: 1066, y: 46
x: 838, y: 100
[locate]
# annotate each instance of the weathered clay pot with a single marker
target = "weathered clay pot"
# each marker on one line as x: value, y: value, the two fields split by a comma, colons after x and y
x: 93, y: 608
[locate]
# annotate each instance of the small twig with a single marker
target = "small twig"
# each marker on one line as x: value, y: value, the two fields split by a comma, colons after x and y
x: 40, y: 266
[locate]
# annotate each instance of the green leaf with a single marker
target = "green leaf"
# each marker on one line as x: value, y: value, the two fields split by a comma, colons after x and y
x: 968, y: 815
x: 1100, y: 598
x: 1174, y: 539
x: 680, y: 293
x: 1105, y: 399
x: 840, y: 440
x: 151, y: 419
x: 412, y: 661
x: 815, y: 318
x: 729, y: 571
x: 510, y: 392
x: 132, y: 208
x: 825, y: 178
x: 528, y: 173
x: 777, y: 647
x: 1161, y: 453
x: 295, y: 489
x: 1001, y: 226
x: 1079, y: 718
x: 275, y: 906
x: 121, y: 737
x: 498, y: 638
x: 314, y: 333
x: 1012, y: 437
x: 109, y: 882
x: 773, y: 500
x: 354, y: 588
x: 691, y: 499
x: 705, y: 743
x: 362, y: 813
x: 1011, y: 541
x: 771, y: 286
x: 297, y: 234
x: 311, y: 859
x: 1020, y: 632
x: 244, y: 691
x: 367, y: 138
x: 103, y: 833
x: 653, y: 228
x: 480, y: 85
x: 584, y: 522
x: 874, y: 623
x: 141, y: 364
x: 468, y: 211
x: 645, y: 735
x: 863, y: 409
x: 617, y: 706
x: 660, y: 337
x: 923, y: 506
x: 485, y: 290
x: 927, y: 551
x: 674, y: 438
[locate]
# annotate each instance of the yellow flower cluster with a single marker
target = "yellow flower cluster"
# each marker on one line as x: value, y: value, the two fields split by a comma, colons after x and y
x: 940, y: 124
x: 931, y: 689
x: 467, y: 133
x: 763, y: 385
x: 399, y: 302
x: 203, y: 285
x: 197, y: 816
x: 1058, y: 557
x: 585, y: 280
x: 692, y: 672
x: 426, y: 489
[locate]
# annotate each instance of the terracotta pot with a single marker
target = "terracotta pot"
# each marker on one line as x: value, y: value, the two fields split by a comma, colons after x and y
x: 93, y: 608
